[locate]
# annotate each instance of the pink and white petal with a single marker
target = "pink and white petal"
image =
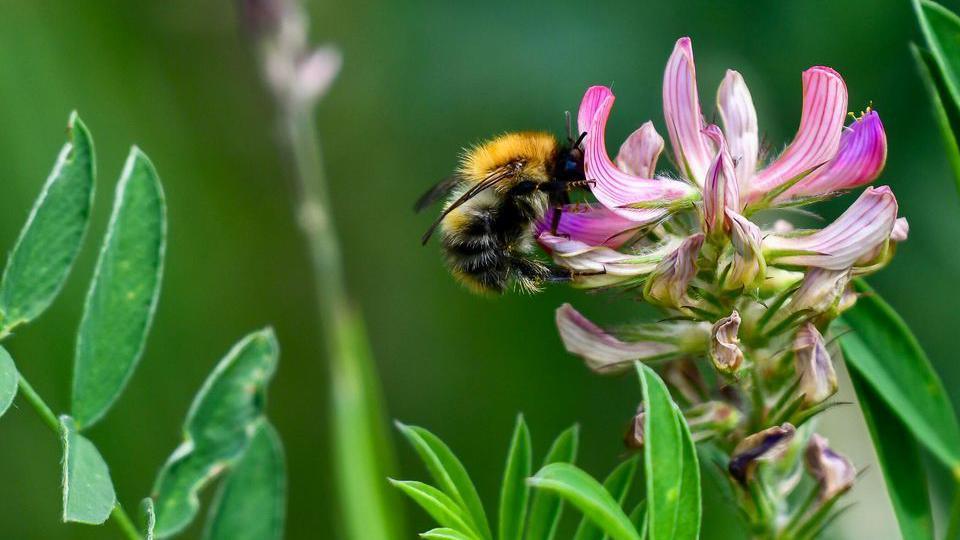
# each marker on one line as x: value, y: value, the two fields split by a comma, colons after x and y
x: 681, y: 109
x: 601, y: 351
x: 614, y: 188
x: 739, y: 125
x: 817, y: 139
x: 865, y: 225
x: 639, y: 153
x: 593, y: 225
x: 901, y: 230
x: 585, y: 258
x: 859, y: 160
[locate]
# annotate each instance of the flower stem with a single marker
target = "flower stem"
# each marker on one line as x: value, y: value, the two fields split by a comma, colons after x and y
x: 362, y: 450
x: 953, y: 526
x: 46, y: 414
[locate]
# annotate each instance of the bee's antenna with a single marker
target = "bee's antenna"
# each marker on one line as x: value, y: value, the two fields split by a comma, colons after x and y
x: 566, y: 115
x: 579, y: 140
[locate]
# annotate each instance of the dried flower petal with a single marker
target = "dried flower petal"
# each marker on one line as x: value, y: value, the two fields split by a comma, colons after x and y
x: 818, y: 381
x: 834, y: 472
x: 633, y: 439
x: 602, y: 352
x: 820, y: 291
x: 725, y: 350
x: 748, y: 266
x: 767, y: 445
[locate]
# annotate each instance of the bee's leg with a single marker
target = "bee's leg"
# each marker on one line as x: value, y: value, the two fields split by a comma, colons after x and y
x: 558, y: 200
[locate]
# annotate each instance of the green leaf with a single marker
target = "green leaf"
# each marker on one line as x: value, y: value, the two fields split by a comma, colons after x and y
x: 546, y: 508
x: 514, y: 491
x: 123, y: 294
x: 941, y: 28
x: 9, y: 379
x: 447, y: 471
x: 53, y: 234
x: 581, y: 490
x: 363, y: 452
x: 88, y: 495
x: 221, y: 421
x: 445, y: 534
x: 618, y: 485
x: 149, y: 517
x: 945, y: 109
x: 886, y: 354
x: 690, y: 508
x: 662, y: 455
x: 900, y: 462
x: 251, y: 502
x: 441, y: 507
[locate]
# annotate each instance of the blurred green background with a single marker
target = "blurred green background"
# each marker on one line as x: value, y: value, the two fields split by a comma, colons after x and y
x: 421, y: 79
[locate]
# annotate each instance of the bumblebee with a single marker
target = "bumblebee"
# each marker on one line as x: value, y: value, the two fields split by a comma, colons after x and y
x: 502, y: 189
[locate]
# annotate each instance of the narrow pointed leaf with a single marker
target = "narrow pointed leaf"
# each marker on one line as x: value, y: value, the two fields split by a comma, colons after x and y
x: 885, y: 353
x: 149, y: 518
x: 438, y: 504
x: 514, y: 491
x: 617, y: 484
x: 900, y: 461
x: 662, y: 456
x: 690, y: 508
x: 88, y: 495
x: 221, y: 421
x: 587, y: 495
x: 49, y: 242
x: 546, y: 508
x: 444, y: 533
x: 123, y: 294
x: 638, y: 516
x: 941, y: 29
x: 362, y: 449
x: 251, y: 502
x: 447, y: 471
x: 946, y: 111
x: 9, y: 379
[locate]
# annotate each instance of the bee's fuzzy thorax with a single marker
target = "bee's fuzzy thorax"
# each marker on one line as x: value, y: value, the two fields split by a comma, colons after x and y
x: 538, y: 149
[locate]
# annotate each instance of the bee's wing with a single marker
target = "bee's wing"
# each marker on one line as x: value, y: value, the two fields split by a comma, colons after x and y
x: 498, y: 175
x: 440, y: 190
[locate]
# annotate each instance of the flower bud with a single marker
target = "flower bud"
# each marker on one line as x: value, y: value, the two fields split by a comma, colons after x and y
x: 725, y: 350
x: 748, y: 266
x: 766, y: 445
x: 713, y: 417
x: 833, y: 472
x: 720, y: 189
x: 634, y: 436
x: 667, y: 285
x: 818, y: 381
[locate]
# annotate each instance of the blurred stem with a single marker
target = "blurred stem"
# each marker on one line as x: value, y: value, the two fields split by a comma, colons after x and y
x: 46, y: 414
x: 953, y: 527
x: 362, y: 451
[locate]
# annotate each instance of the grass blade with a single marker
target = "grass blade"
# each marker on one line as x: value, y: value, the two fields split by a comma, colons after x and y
x: 618, y: 484
x: 546, y: 509
x: 514, y: 491
x: 441, y: 507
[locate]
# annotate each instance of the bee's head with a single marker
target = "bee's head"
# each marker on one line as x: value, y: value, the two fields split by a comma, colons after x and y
x: 570, y: 161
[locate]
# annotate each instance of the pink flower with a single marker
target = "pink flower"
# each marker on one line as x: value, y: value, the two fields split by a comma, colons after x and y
x: 667, y: 285
x: 823, y: 157
x: 591, y: 224
x: 857, y: 232
x: 721, y: 192
x: 597, y: 265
